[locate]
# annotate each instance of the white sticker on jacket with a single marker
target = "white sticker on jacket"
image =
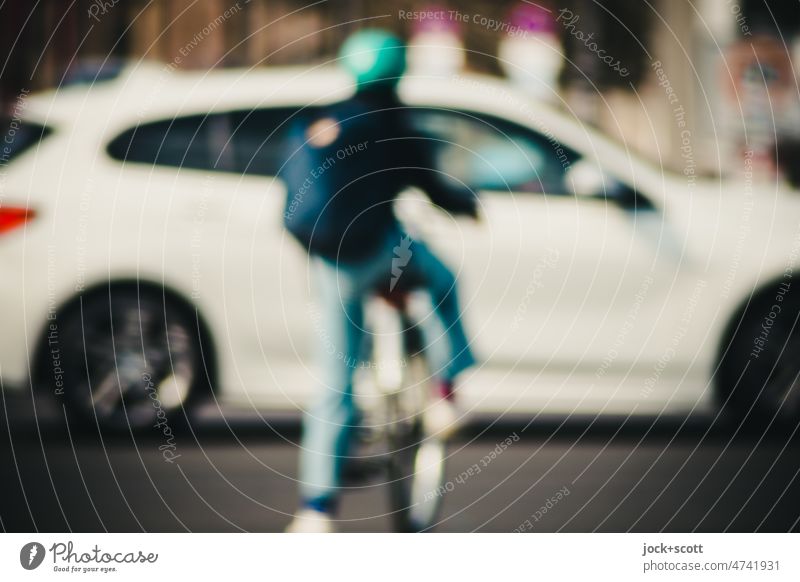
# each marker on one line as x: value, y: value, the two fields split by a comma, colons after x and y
x: 322, y: 132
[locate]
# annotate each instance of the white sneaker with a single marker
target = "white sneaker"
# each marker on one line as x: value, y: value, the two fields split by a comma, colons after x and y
x: 442, y: 419
x: 309, y: 520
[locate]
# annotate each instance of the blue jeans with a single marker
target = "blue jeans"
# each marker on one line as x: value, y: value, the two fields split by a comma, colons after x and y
x: 341, y: 290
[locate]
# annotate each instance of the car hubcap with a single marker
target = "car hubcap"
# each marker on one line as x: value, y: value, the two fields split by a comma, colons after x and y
x: 138, y: 366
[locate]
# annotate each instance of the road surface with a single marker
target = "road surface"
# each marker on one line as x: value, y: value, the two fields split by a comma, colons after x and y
x: 237, y: 473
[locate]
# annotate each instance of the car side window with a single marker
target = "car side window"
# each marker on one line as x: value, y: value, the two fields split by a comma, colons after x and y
x: 192, y: 141
x: 17, y: 136
x: 488, y: 153
x: 242, y: 142
x: 260, y: 139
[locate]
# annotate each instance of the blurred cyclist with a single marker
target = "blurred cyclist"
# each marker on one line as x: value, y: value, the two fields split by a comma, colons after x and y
x: 349, y: 162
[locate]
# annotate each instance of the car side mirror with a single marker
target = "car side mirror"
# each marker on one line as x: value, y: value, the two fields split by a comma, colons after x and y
x: 586, y: 179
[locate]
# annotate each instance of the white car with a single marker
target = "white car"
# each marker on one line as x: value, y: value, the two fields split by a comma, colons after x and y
x: 144, y: 261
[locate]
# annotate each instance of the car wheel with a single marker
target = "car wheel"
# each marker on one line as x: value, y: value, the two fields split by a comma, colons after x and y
x: 759, y: 371
x: 131, y: 359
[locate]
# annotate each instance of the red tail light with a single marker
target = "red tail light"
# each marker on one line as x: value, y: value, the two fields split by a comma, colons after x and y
x: 11, y: 217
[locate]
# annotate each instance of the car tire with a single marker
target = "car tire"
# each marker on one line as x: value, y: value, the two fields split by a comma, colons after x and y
x: 132, y: 359
x: 758, y: 379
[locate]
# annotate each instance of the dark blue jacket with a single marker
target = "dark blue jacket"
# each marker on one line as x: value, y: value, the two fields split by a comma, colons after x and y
x: 349, y: 161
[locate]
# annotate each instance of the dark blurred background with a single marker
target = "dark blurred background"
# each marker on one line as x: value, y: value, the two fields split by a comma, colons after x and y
x: 55, y: 34
x: 46, y: 41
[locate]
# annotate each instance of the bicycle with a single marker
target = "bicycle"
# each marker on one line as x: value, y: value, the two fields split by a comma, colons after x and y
x: 412, y: 459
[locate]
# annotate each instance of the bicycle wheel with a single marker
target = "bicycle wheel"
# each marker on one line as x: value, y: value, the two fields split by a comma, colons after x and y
x: 416, y: 479
x: 416, y: 473
x: 415, y: 462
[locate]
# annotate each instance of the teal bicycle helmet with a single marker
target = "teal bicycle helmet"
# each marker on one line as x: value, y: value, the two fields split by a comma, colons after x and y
x: 374, y: 57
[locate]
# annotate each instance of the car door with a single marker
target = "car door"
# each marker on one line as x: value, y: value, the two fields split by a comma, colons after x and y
x: 219, y: 238
x: 273, y: 272
x: 551, y: 281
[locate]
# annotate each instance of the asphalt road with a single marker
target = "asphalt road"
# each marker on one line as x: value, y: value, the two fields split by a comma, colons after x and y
x: 237, y: 473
